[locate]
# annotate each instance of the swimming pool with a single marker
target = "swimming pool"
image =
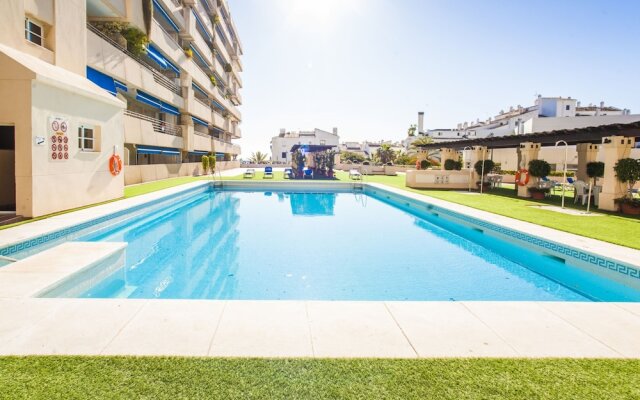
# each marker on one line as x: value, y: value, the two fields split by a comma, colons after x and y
x: 333, y: 244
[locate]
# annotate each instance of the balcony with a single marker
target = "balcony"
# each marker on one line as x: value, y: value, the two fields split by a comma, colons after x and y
x: 142, y: 129
x: 108, y: 55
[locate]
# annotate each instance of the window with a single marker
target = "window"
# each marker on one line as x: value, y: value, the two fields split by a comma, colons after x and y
x: 284, y: 154
x: 33, y: 31
x: 323, y: 142
x: 567, y: 107
x: 86, y: 138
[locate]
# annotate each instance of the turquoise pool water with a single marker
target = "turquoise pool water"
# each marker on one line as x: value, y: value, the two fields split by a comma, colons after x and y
x: 326, y: 246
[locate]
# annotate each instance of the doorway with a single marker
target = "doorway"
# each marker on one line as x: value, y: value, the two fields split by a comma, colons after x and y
x: 7, y: 171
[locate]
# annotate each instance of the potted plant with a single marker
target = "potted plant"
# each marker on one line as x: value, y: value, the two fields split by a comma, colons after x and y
x: 213, y: 80
x: 628, y: 171
x: 538, y: 169
x: 188, y: 52
x: 424, y: 164
x: 595, y: 170
x: 488, y: 166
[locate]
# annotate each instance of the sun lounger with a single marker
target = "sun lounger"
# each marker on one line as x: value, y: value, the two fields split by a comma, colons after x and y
x: 250, y: 173
x: 308, y: 173
x: 288, y: 173
x: 268, y: 173
x: 355, y: 174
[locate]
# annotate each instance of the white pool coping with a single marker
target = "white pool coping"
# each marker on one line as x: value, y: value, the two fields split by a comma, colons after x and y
x: 237, y: 328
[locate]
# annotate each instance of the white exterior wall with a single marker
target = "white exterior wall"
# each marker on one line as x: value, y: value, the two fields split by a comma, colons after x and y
x: 284, y: 144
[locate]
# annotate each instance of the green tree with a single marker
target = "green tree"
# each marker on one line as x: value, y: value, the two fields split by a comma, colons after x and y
x: 349, y: 156
x: 386, y: 154
x: 628, y: 171
x: 258, y: 157
x: 205, y: 164
x: 405, y: 159
x: 212, y: 163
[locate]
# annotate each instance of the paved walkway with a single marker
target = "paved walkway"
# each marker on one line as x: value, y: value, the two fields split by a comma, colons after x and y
x: 318, y: 328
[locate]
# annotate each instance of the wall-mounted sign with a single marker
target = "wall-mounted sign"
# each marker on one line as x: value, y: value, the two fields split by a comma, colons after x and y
x: 58, y: 138
x: 40, y: 140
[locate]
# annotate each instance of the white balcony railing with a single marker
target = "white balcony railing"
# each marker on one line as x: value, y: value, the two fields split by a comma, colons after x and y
x: 158, y: 125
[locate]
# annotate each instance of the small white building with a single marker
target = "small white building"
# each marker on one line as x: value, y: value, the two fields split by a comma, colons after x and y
x: 281, y: 145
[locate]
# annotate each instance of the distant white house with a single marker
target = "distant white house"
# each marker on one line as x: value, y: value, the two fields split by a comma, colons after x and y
x: 281, y: 145
x: 546, y: 114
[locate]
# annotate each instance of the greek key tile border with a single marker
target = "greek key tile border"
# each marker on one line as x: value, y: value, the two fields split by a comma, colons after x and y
x: 577, y: 254
x: 39, y: 240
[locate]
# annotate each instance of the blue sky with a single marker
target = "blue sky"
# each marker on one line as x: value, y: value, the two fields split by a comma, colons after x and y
x: 368, y: 66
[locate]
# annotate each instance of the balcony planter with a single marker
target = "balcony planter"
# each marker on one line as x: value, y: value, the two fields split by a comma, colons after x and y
x: 213, y: 80
x: 227, y: 67
x: 188, y: 53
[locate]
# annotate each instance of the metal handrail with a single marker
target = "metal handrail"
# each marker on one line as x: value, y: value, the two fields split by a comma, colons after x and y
x: 157, y: 76
x: 158, y: 125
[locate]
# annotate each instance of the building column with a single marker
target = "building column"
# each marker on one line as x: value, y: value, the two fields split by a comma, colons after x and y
x: 587, y: 152
x: 477, y: 153
x: 447, y: 154
x: 615, y: 148
x: 526, y: 152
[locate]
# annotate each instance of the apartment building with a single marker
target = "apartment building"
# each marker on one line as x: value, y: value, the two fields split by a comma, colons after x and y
x: 281, y: 145
x: 154, y: 82
x: 182, y: 87
x: 545, y: 115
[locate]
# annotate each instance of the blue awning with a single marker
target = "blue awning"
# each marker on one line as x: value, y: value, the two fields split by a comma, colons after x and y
x: 159, y: 104
x: 147, y: 99
x: 104, y: 81
x: 199, y: 121
x: 197, y: 53
x: 201, y: 25
x: 120, y: 85
x: 165, y: 15
x: 218, y: 105
x: 156, y: 56
x: 199, y: 89
x: 157, y: 150
x: 160, y: 59
x: 199, y: 152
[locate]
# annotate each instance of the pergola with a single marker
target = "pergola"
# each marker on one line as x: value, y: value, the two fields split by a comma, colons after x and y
x: 615, y: 140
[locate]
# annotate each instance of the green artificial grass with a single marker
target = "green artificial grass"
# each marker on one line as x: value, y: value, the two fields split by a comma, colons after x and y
x: 219, y: 378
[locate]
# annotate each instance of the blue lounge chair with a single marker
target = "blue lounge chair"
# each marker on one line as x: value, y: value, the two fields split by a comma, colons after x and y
x: 288, y: 173
x: 268, y: 173
x: 308, y: 173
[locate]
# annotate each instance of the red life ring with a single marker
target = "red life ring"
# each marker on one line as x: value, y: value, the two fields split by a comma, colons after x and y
x: 522, y: 177
x: 115, y: 165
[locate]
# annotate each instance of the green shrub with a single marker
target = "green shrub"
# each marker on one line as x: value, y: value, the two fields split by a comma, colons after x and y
x: 539, y: 168
x: 628, y: 171
x: 136, y: 40
x: 205, y: 164
x: 212, y: 162
x: 227, y: 157
x: 450, y: 165
x: 488, y: 166
x: 595, y: 169
x: 424, y: 164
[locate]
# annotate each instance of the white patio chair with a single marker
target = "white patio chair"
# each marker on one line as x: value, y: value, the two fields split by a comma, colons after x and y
x: 581, y: 192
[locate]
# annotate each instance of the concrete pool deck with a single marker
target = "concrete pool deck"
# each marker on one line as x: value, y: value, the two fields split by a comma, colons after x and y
x: 318, y: 328
x: 30, y: 325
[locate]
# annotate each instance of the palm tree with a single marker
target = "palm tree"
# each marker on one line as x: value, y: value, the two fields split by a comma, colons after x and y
x: 258, y: 157
x: 424, y: 140
x: 385, y: 153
